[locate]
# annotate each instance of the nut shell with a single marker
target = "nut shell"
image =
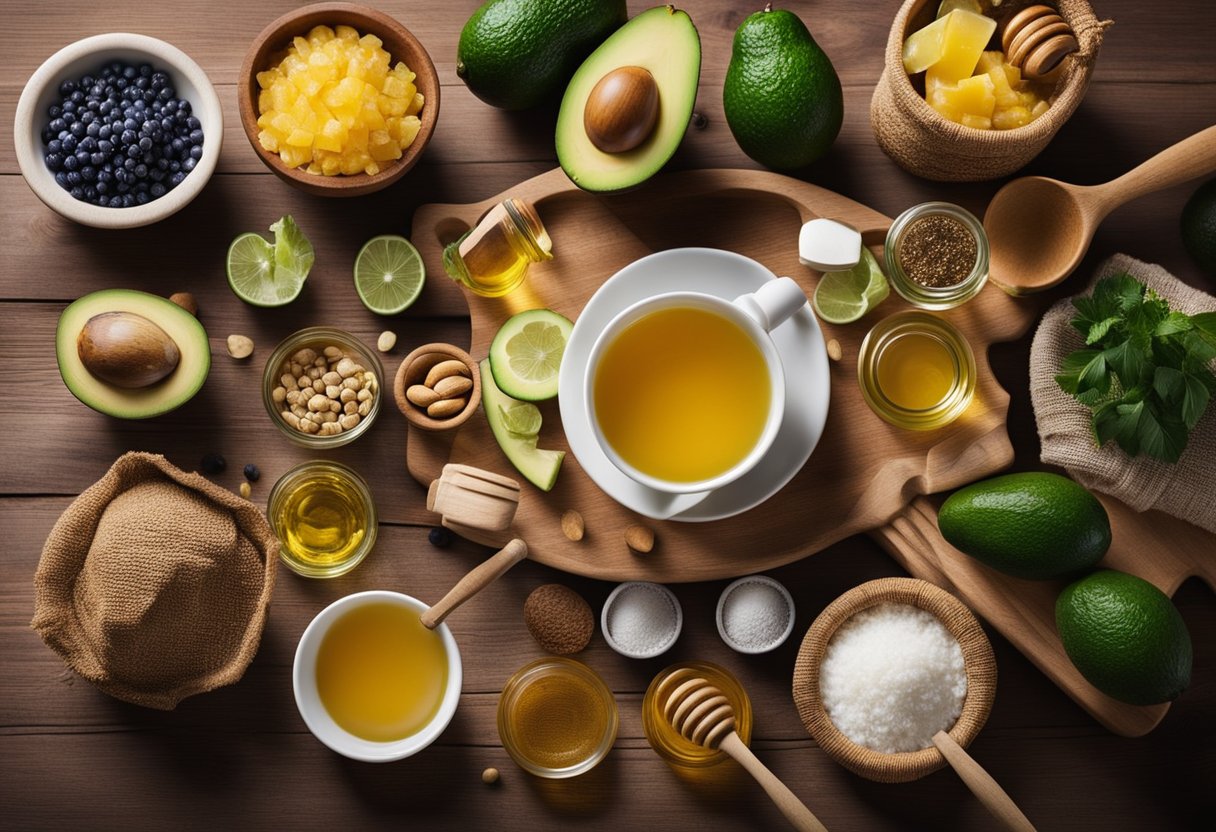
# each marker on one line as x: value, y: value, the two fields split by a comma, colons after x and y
x: 559, y: 619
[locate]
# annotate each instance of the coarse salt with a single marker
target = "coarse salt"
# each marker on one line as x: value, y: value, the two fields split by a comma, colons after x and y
x: 755, y: 615
x: 893, y: 676
x: 642, y: 619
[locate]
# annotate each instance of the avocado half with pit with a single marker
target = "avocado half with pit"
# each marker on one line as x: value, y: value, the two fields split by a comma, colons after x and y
x: 627, y: 107
x: 130, y: 354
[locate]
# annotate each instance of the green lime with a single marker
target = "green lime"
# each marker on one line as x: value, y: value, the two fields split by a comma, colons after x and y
x: 526, y: 354
x: 251, y: 273
x: 389, y: 274
x: 1199, y: 226
x: 523, y: 418
x: 843, y: 297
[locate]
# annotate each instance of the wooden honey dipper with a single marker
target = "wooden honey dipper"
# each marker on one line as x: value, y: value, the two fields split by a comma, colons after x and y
x: 703, y: 715
x: 1036, y: 39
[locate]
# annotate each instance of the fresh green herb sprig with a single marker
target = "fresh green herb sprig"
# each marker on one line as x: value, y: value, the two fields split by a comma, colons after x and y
x: 1145, y: 370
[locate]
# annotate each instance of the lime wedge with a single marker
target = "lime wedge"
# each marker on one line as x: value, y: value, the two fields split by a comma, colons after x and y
x: 522, y: 418
x: 389, y: 274
x: 527, y: 352
x: 262, y: 274
x: 844, y: 297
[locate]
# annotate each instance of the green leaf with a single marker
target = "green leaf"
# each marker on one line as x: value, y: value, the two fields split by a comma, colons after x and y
x: 1094, y: 376
x: 1105, y: 421
x: 1194, y: 401
x: 1168, y: 383
x: 1174, y: 322
x: 1098, y: 331
x: 1127, y: 427
x: 1162, y: 438
x: 1199, y: 350
x: 1130, y: 362
x: 1205, y: 324
x: 1070, y: 370
x: 1122, y: 291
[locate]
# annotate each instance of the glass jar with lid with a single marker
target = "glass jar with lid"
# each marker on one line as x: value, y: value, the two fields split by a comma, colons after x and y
x: 493, y: 258
x: 937, y: 255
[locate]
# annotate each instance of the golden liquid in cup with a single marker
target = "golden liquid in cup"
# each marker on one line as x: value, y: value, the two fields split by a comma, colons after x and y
x: 381, y: 675
x: 682, y: 394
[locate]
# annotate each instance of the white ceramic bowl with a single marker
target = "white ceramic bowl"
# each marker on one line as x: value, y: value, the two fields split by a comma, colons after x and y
x: 786, y: 599
x: 643, y: 586
x: 322, y: 725
x: 89, y: 56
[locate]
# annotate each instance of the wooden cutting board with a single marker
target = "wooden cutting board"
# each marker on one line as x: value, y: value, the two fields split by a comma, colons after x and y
x: 864, y: 470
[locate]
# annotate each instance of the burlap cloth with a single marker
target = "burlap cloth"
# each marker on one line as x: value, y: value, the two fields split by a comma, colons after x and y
x: 931, y: 146
x: 1185, y: 489
x: 154, y: 584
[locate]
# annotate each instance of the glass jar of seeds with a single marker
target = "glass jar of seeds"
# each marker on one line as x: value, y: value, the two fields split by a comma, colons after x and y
x: 937, y: 255
x: 322, y: 387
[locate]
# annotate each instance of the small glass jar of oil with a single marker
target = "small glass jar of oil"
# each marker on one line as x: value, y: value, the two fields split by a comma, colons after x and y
x: 916, y: 370
x: 493, y: 258
x: 324, y: 517
x: 665, y: 739
x: 557, y: 718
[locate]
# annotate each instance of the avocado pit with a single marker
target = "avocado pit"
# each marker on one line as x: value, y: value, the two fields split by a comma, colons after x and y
x: 622, y: 109
x: 126, y: 350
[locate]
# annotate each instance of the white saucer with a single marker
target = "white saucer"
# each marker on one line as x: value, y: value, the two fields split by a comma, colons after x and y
x: 799, y: 343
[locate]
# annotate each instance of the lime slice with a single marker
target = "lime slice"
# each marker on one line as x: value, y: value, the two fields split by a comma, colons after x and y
x: 293, y: 254
x: 262, y: 274
x: 844, y: 297
x: 389, y: 274
x: 527, y: 353
x: 522, y: 418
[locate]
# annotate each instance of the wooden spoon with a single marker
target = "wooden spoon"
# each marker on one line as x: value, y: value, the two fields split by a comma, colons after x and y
x: 478, y: 579
x: 982, y: 785
x: 703, y: 715
x: 1040, y: 228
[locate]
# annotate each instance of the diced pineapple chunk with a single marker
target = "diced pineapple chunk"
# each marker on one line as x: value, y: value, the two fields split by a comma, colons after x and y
x: 1008, y: 118
x: 1039, y: 109
x: 966, y: 35
x: 923, y: 48
x: 977, y: 122
x: 300, y: 138
x: 320, y: 34
x: 346, y: 33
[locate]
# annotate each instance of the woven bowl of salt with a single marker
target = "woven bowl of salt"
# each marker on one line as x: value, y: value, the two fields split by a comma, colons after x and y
x: 884, y: 668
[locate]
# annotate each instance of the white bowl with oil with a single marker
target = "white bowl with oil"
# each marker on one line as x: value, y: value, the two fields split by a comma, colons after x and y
x: 322, y: 723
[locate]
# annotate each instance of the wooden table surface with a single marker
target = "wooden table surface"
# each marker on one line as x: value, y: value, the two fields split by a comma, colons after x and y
x: 241, y: 757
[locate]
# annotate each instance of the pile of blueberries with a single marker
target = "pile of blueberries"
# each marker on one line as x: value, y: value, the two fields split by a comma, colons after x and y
x: 122, y: 137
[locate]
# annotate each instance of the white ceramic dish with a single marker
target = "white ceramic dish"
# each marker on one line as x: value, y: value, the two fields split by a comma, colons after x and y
x: 645, y: 586
x: 800, y: 346
x: 322, y: 725
x: 787, y: 599
x: 88, y: 56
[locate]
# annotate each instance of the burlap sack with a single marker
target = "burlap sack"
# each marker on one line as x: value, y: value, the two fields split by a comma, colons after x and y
x: 154, y: 584
x: 933, y: 147
x: 1185, y: 489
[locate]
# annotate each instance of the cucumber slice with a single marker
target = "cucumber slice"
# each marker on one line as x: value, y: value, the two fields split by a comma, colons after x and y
x: 527, y: 352
x: 539, y: 466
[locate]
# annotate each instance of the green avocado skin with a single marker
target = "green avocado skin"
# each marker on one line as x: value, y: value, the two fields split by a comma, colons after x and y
x: 1126, y: 637
x: 515, y: 54
x: 1198, y: 223
x: 1031, y: 525
x: 782, y: 98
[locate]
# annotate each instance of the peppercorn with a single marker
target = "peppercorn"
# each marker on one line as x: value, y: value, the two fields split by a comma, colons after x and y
x: 252, y: 473
x: 440, y: 537
x: 214, y: 464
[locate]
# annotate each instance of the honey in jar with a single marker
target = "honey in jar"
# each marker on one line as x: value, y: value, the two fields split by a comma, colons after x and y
x: 493, y: 258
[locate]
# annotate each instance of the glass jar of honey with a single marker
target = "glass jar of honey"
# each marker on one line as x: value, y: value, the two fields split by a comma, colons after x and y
x: 493, y: 258
x: 916, y: 370
x: 666, y: 740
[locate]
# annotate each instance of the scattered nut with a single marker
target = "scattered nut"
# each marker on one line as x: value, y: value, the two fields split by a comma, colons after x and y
x: 186, y: 301
x: 489, y: 776
x: 446, y: 407
x: 422, y: 395
x: 386, y: 341
x: 452, y: 386
x: 246, y: 490
x: 572, y: 525
x: 559, y: 619
x: 639, y: 538
x: 834, y: 350
x: 443, y: 370
x: 240, y: 346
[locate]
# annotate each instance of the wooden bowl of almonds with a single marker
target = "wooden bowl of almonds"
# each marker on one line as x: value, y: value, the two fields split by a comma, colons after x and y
x: 438, y: 387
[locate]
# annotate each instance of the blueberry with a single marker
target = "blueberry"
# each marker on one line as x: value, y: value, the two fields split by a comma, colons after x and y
x: 70, y: 163
x: 97, y: 159
x: 177, y: 146
x: 252, y: 473
x: 183, y: 106
x: 105, y: 175
x: 188, y: 165
x: 143, y: 84
x: 93, y: 129
x: 130, y: 124
x: 67, y: 88
x: 141, y: 171
x: 214, y: 463
x: 57, y: 125
x: 74, y: 177
x: 105, y: 145
x: 176, y: 179
x: 54, y: 111
x: 115, y: 202
x: 88, y: 173
x: 90, y: 192
x: 133, y: 151
x: 157, y: 190
x: 142, y: 198
x: 129, y: 163
x: 128, y: 136
x: 88, y: 144
x: 440, y: 537
x: 158, y: 175
x: 162, y: 164
x: 68, y: 142
x: 76, y: 129
x: 61, y: 179
x: 128, y: 200
x: 145, y: 70
x: 174, y: 166
x: 165, y: 94
x: 193, y: 123
x: 129, y: 72
x: 76, y: 97
x: 54, y: 161
x: 114, y: 68
x: 196, y: 153
x: 145, y: 144
x: 77, y: 193
x: 102, y: 187
x: 159, y: 79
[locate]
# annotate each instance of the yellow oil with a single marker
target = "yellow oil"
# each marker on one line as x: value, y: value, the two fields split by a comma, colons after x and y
x: 322, y: 521
x: 381, y: 675
x: 558, y: 721
x: 916, y: 371
x: 682, y: 394
x: 493, y: 259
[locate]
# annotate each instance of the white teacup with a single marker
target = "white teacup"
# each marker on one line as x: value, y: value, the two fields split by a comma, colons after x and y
x: 318, y: 719
x: 757, y: 314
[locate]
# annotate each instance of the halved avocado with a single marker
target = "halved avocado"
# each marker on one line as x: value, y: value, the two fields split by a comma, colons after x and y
x: 662, y: 41
x: 133, y: 403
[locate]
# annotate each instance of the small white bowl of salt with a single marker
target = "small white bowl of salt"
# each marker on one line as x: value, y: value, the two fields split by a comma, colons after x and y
x: 755, y: 614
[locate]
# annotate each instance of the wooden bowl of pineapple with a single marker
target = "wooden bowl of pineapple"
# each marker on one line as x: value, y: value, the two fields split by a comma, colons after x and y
x: 338, y: 99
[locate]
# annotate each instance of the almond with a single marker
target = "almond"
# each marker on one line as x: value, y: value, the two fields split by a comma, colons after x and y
x: 445, y: 369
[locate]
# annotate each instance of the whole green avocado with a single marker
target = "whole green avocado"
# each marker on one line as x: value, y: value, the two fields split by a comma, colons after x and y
x: 514, y: 54
x: 782, y: 98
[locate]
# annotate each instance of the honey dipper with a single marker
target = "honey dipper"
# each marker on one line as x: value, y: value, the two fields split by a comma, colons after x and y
x: 703, y: 715
x: 1036, y: 39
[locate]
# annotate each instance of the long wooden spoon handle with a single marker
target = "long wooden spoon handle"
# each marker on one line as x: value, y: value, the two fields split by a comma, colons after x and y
x: 474, y: 582
x: 795, y: 810
x: 989, y: 792
x: 1191, y: 158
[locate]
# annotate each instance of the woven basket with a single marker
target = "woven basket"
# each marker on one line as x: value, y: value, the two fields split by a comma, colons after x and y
x: 933, y: 147
x: 978, y: 663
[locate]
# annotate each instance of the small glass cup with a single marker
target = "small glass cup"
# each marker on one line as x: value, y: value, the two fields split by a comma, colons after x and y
x: 318, y: 337
x: 546, y: 671
x: 936, y: 297
x: 492, y: 259
x: 887, y: 333
x: 346, y: 482
x: 667, y: 741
